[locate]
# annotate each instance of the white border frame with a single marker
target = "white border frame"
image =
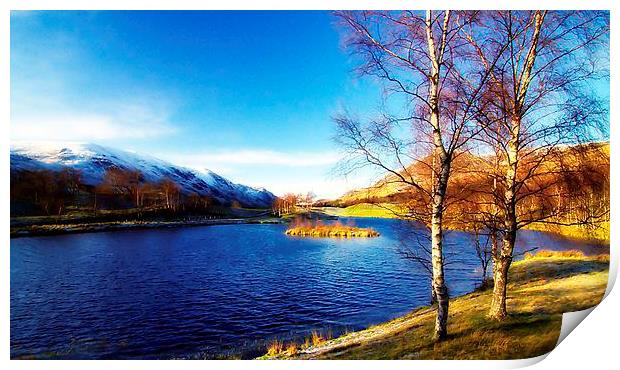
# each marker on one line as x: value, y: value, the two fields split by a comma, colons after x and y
x: 593, y: 344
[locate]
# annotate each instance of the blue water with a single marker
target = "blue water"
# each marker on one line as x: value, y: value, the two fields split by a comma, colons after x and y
x: 207, y: 292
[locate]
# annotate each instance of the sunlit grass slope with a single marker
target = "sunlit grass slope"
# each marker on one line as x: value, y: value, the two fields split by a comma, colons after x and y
x: 382, y: 210
x: 540, y: 290
x: 601, y: 232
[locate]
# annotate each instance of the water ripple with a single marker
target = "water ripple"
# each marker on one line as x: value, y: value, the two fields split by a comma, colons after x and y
x: 204, y: 292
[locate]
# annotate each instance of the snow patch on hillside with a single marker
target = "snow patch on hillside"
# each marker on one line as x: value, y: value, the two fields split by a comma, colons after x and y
x: 93, y: 160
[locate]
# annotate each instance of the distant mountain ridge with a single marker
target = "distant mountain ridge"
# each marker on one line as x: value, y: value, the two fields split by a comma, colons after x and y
x: 93, y: 160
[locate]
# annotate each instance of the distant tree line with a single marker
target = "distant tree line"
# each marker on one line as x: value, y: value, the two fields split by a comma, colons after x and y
x: 47, y: 192
x: 44, y: 191
x: 291, y: 203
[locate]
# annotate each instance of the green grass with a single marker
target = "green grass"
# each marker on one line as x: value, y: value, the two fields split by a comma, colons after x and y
x: 389, y: 210
x: 575, y: 231
x: 540, y: 290
x: 382, y: 210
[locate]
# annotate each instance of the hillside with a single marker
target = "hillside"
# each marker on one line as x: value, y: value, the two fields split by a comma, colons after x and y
x: 93, y: 160
x: 391, y: 189
x: 592, y: 157
x: 570, y: 180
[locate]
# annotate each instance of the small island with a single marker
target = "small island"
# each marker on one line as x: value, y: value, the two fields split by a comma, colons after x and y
x: 334, y: 230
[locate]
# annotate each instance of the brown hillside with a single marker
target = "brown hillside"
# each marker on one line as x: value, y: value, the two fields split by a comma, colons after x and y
x: 574, y: 163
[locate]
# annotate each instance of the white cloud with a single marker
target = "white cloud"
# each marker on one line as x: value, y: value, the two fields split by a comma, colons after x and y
x: 56, y: 97
x: 84, y: 128
x: 323, y: 188
x: 278, y: 171
x: 109, y: 120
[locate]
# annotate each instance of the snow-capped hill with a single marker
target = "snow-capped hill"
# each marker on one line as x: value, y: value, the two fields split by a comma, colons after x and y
x: 93, y: 160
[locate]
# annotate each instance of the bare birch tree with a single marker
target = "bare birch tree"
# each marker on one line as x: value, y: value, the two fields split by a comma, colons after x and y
x: 421, y: 59
x: 539, y: 98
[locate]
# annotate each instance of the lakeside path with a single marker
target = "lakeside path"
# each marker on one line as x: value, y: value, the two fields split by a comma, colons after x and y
x: 540, y: 290
x: 72, y: 228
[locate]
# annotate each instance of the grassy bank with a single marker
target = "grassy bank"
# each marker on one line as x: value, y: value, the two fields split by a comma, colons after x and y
x: 600, y: 233
x: 82, y: 221
x: 382, y: 210
x: 72, y: 228
x: 388, y: 210
x: 83, y: 216
x: 540, y: 290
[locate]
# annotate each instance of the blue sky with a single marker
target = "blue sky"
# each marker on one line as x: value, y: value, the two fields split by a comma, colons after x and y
x: 246, y: 94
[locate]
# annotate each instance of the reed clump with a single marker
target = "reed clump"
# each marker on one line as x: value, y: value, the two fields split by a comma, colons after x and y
x: 280, y: 349
x: 332, y: 230
x: 275, y: 348
x: 291, y: 349
x: 317, y: 338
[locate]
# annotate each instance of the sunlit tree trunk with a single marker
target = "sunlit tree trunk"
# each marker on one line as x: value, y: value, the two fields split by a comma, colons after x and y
x: 503, y: 261
x: 417, y: 55
x: 442, y: 175
x: 439, y: 284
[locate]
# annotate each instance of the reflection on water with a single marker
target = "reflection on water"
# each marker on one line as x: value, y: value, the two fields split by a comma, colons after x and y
x: 218, y: 290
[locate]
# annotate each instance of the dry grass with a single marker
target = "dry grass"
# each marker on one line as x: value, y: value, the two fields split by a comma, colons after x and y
x: 555, y: 254
x: 275, y: 348
x: 539, y: 291
x: 291, y: 349
x: 570, y: 254
x: 280, y: 350
x: 317, y: 338
x: 600, y: 231
x: 333, y: 230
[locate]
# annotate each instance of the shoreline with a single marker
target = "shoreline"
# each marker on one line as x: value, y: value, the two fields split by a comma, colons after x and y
x: 93, y: 227
x: 51, y: 229
x: 382, y: 212
x: 559, y: 284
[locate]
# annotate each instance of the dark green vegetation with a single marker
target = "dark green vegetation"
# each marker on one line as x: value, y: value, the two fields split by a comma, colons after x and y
x: 541, y: 288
